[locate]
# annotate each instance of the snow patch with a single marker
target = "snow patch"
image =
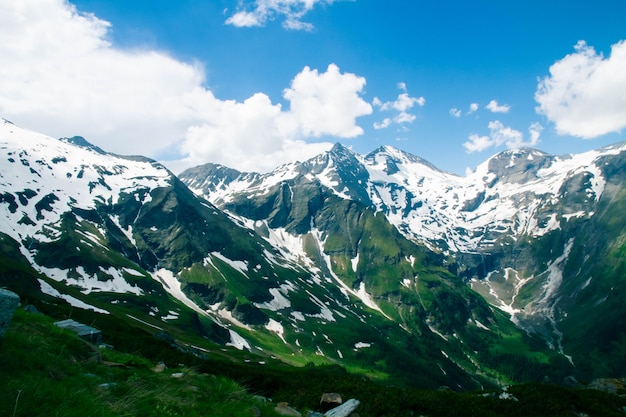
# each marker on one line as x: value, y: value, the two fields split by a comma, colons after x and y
x: 75, y: 302
x: 278, y: 302
x: 237, y: 341
x: 240, y: 266
x: 276, y: 327
x: 355, y: 262
x: 172, y: 286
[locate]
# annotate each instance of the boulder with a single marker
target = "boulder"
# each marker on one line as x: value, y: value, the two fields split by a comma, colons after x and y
x: 32, y: 309
x: 330, y: 400
x: 344, y: 410
x: 159, y: 367
x: 85, y: 332
x: 284, y: 410
x: 8, y: 303
x: 610, y: 385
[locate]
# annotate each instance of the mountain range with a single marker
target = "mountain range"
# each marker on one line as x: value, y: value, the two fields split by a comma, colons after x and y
x: 380, y: 263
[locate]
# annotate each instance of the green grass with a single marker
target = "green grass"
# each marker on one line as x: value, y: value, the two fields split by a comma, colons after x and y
x: 47, y: 371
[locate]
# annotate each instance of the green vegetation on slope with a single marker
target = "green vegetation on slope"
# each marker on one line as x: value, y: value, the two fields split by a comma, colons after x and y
x: 47, y: 371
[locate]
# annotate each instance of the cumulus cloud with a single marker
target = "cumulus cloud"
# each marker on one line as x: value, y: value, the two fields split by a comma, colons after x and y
x: 454, y: 112
x: 263, y: 11
x: 585, y: 93
x: 62, y: 76
x: 402, y: 104
x: 327, y: 103
x: 503, y: 135
x: 472, y: 108
x: 494, y: 107
x: 59, y: 74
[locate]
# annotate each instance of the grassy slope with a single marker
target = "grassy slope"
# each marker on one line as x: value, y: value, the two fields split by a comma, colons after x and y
x: 47, y: 371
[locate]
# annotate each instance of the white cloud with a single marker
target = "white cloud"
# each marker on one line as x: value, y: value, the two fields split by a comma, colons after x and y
x: 402, y: 104
x: 327, y: 103
x: 384, y: 124
x: 59, y: 74
x: 454, y: 112
x: 585, y: 93
x: 494, y: 107
x: 502, y: 135
x: 472, y: 108
x: 266, y: 10
x: 62, y: 76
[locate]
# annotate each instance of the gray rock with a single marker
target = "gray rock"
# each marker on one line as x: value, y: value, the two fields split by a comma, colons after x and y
x: 8, y: 303
x: 330, y: 400
x: 82, y: 330
x: 314, y: 414
x: 284, y: 410
x: 610, y: 385
x: 159, y: 367
x: 344, y: 410
x: 32, y: 309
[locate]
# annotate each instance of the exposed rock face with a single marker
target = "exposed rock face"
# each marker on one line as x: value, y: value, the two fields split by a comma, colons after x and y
x: 330, y: 400
x: 612, y: 385
x: 344, y: 410
x: 284, y: 410
x: 8, y: 303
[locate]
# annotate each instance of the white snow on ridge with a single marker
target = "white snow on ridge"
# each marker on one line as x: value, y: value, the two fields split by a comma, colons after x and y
x: 91, y: 283
x: 67, y: 176
x: 237, y: 341
x: 279, y: 301
x: 73, y: 301
x: 276, y: 327
x: 355, y: 262
x: 240, y: 266
x: 172, y: 286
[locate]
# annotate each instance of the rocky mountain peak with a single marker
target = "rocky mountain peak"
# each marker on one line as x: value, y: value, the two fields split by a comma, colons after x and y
x: 518, y: 165
x: 391, y: 158
x: 83, y: 143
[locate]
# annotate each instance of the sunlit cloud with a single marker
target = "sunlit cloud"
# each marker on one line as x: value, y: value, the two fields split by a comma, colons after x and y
x: 494, y: 107
x: 585, y: 93
x: 503, y: 135
x: 402, y: 104
x: 263, y: 11
x: 327, y: 103
x: 61, y: 75
x: 454, y: 112
x: 473, y: 107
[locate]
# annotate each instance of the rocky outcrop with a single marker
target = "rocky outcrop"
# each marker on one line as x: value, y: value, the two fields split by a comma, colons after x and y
x: 344, y: 410
x: 284, y: 410
x: 611, y: 385
x: 330, y: 400
x: 8, y: 303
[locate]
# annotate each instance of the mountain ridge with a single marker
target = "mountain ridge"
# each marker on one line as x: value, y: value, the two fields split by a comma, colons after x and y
x: 317, y: 261
x: 490, y: 221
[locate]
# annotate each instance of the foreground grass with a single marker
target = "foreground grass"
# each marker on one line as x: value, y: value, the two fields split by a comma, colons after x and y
x: 46, y: 371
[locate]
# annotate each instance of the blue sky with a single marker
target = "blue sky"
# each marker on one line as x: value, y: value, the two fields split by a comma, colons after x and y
x: 254, y: 84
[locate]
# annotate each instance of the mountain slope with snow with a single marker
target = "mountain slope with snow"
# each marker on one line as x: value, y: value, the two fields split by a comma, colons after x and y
x: 512, y: 227
x: 301, y: 274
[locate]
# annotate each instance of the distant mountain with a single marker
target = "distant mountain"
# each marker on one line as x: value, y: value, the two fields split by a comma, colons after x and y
x: 122, y: 240
x: 380, y: 263
x: 541, y: 237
